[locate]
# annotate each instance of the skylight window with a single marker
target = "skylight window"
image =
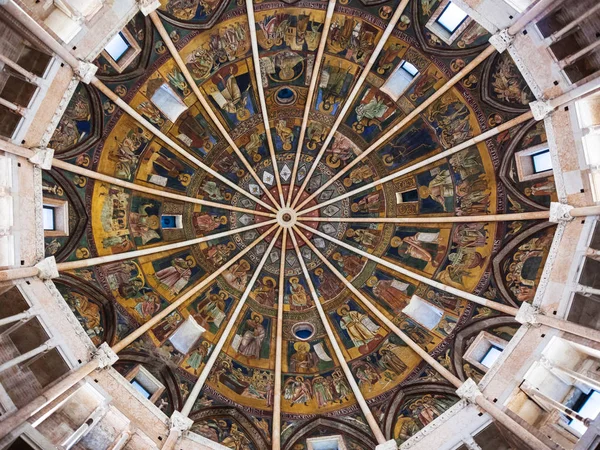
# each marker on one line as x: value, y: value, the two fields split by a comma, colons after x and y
x: 452, y: 17
x: 138, y: 387
x: 410, y: 69
x: 590, y: 408
x: 117, y: 47
x: 49, y: 218
x: 491, y: 356
x: 542, y: 161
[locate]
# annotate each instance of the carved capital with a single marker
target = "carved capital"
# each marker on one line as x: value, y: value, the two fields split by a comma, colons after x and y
x: 180, y: 422
x: 42, y: 158
x: 527, y: 314
x: 502, y: 40
x: 105, y: 355
x: 546, y: 363
x: 559, y: 212
x: 47, y: 268
x: 86, y: 71
x: 389, y: 445
x: 468, y: 391
x: 540, y: 109
x: 148, y: 6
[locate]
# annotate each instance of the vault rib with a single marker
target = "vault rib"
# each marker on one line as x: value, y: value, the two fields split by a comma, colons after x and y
x: 276, y: 428
x: 190, y: 81
x: 543, y: 319
x: 336, y: 348
x: 311, y: 92
x: 10, y: 422
x: 350, y: 100
x: 60, y: 164
x: 490, y: 50
x: 462, y: 146
x: 480, y: 399
x: 261, y: 97
x: 195, y: 392
x: 535, y: 215
x: 167, y: 140
x: 81, y: 263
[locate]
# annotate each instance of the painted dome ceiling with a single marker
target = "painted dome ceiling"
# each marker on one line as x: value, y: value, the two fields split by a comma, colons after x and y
x: 500, y: 261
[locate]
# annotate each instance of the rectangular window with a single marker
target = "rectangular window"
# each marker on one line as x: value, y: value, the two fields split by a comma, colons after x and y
x: 400, y: 80
x: 138, y: 387
x: 542, y: 161
x: 117, y: 47
x: 423, y: 312
x: 491, y: 356
x: 145, y: 383
x: 49, y: 218
x: 452, y: 17
x: 168, y: 221
x: 410, y: 196
x: 589, y: 407
x: 410, y: 69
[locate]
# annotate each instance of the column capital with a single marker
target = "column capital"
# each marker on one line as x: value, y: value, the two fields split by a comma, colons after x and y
x: 527, y: 314
x: 47, y: 268
x: 502, y: 40
x: 389, y: 445
x: 85, y: 71
x: 179, y: 422
x: 560, y: 212
x: 105, y: 356
x: 42, y: 158
x: 546, y: 363
x: 541, y: 109
x: 469, y: 390
x: 148, y: 6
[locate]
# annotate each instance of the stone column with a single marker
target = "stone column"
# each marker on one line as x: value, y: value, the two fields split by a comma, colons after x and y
x: 122, y: 440
x: 580, y: 377
x: 103, y: 357
x: 16, y: 108
x: 560, y: 33
x: 46, y: 346
x: 46, y: 269
x: 530, y: 315
x: 32, y: 78
x: 86, y: 427
x: 536, y: 395
x: 470, y: 443
x: 84, y: 70
x: 179, y: 425
x: 471, y: 393
x: 586, y: 290
x: 21, y: 317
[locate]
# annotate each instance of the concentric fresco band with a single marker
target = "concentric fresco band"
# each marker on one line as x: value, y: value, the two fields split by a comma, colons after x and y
x: 214, y: 147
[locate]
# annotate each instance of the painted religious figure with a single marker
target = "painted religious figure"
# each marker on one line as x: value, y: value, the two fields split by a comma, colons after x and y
x: 253, y: 336
x: 176, y: 277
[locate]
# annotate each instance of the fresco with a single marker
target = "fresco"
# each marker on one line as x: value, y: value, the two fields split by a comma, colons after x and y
x: 419, y: 411
x: 502, y: 262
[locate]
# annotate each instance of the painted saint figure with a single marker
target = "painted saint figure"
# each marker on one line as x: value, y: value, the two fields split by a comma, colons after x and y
x: 176, y: 277
x: 253, y: 337
x: 354, y: 324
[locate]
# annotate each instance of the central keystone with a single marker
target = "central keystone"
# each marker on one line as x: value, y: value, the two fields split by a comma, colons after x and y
x: 286, y: 217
